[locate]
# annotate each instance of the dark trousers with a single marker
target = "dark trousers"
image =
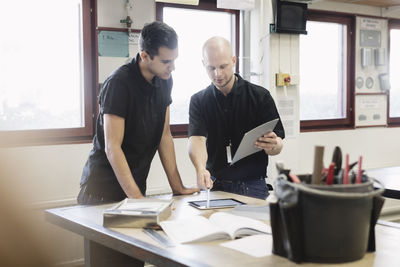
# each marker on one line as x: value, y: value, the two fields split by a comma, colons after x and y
x: 85, y: 198
x: 109, y: 256
x: 256, y: 188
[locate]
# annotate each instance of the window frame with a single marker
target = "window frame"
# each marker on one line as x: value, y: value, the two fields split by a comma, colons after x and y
x: 181, y: 130
x: 68, y: 135
x: 391, y: 121
x: 348, y: 121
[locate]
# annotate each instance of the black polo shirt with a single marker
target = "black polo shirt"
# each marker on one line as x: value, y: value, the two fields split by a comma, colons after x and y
x: 225, y: 119
x: 127, y: 94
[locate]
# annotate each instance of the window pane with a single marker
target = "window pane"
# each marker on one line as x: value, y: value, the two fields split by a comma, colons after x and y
x: 394, y: 73
x: 189, y: 75
x: 41, y: 65
x: 323, y: 71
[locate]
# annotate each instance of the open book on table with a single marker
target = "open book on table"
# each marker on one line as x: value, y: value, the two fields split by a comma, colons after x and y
x: 220, y: 225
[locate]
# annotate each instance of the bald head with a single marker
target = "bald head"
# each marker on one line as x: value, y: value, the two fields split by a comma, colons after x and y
x: 219, y: 63
x: 217, y: 46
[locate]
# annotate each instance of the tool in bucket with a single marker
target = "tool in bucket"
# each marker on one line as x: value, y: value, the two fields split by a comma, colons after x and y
x: 325, y: 223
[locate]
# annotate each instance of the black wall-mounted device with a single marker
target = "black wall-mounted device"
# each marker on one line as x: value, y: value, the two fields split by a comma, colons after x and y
x: 290, y: 17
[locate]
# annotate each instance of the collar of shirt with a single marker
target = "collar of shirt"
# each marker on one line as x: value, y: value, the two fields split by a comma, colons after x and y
x: 145, y: 87
x: 236, y: 89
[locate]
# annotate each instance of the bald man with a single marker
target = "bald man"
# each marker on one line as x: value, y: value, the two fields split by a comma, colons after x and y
x: 220, y: 115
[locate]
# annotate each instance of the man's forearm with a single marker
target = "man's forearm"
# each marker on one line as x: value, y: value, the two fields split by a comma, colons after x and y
x: 198, y: 155
x: 198, y: 152
x: 123, y: 173
x: 166, y: 151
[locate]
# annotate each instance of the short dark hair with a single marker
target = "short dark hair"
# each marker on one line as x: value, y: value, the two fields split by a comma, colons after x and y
x: 155, y: 35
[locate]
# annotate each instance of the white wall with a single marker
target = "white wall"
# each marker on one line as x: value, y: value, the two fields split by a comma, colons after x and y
x: 49, y: 175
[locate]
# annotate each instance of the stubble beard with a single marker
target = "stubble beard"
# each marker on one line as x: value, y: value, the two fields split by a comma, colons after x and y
x: 225, y: 84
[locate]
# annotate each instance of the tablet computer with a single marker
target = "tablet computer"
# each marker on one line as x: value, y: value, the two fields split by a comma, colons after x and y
x: 246, y: 146
x: 216, y: 203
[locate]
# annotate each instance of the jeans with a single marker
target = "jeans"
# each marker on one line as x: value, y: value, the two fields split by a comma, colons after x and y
x: 256, y: 188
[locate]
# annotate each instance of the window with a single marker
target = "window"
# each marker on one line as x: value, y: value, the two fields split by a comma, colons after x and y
x: 325, y: 71
x: 394, y: 71
x: 189, y: 75
x: 46, y: 70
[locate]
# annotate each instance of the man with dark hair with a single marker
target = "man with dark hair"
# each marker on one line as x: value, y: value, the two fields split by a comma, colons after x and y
x: 133, y: 123
x: 220, y: 115
x: 155, y: 35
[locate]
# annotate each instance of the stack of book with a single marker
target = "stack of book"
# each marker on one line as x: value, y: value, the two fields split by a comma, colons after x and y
x: 138, y: 213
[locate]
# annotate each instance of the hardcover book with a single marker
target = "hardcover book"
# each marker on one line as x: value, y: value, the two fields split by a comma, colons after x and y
x: 137, y: 213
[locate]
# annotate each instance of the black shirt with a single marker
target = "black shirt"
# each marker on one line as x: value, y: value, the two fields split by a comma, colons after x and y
x: 225, y: 119
x: 127, y: 94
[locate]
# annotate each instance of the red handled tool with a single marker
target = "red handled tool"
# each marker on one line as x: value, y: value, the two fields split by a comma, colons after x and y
x: 331, y: 174
x: 295, y: 178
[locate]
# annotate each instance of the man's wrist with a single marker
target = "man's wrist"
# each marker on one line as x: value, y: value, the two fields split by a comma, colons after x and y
x: 178, y: 189
x: 201, y: 169
x: 136, y: 195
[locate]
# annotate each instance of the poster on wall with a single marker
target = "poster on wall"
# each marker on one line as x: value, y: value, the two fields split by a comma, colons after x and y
x: 371, y: 110
x: 134, y: 38
x: 113, y: 44
x: 371, y: 55
x: 370, y: 24
x: 287, y: 109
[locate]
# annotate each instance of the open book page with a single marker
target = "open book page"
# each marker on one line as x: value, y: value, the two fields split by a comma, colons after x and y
x: 238, y: 226
x: 220, y: 225
x: 193, y: 229
x: 255, y: 245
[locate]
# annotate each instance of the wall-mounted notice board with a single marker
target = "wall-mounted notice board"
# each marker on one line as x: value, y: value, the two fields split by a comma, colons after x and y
x: 113, y: 44
x: 371, y: 110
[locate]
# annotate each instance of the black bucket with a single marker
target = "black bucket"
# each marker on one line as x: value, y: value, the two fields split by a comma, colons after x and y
x: 324, y: 223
